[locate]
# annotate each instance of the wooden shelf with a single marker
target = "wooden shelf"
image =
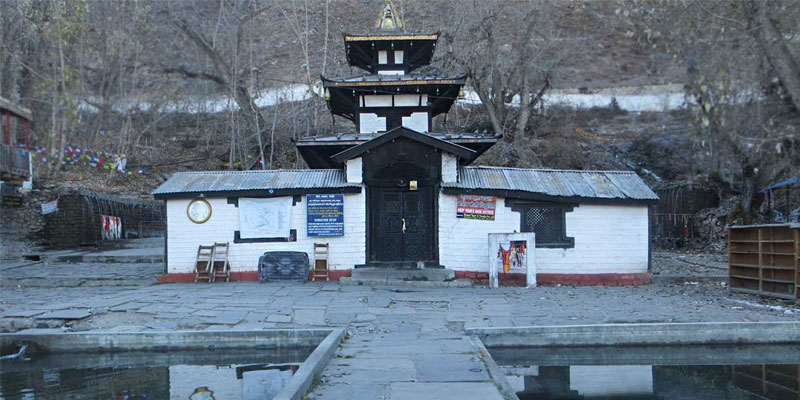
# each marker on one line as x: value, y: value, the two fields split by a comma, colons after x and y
x: 773, y: 280
x: 755, y: 266
x: 759, y: 260
x: 780, y: 267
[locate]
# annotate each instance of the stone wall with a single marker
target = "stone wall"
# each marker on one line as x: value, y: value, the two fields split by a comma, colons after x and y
x: 78, y: 221
x: 21, y: 227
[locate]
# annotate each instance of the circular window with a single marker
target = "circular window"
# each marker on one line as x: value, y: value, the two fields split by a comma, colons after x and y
x: 199, y: 211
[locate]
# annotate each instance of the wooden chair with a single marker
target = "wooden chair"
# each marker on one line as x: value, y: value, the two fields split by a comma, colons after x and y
x: 220, y: 266
x: 320, y: 270
x: 203, y: 264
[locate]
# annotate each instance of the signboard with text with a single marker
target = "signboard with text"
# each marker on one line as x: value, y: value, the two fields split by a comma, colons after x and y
x: 476, y: 207
x: 325, y: 215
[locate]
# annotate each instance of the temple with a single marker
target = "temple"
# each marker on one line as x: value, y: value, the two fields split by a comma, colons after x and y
x: 393, y: 195
x: 392, y: 95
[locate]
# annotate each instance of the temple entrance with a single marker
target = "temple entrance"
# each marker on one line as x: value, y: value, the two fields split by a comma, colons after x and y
x: 402, y: 225
x: 402, y: 178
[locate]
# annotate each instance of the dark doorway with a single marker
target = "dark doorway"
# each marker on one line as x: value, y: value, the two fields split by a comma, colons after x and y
x: 402, y: 226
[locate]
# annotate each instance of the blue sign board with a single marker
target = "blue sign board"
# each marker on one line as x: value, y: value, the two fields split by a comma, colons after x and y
x: 324, y: 215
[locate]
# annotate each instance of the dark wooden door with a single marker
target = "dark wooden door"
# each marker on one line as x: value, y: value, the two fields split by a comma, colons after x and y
x: 401, y: 224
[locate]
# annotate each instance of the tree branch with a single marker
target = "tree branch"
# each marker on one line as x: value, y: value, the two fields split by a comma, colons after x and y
x: 183, y: 70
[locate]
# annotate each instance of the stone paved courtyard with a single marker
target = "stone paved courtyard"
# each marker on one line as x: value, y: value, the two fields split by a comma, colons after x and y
x: 402, y: 341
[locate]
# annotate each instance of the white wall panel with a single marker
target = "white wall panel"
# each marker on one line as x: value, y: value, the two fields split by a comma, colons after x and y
x: 608, y: 239
x: 183, y: 235
x: 371, y: 123
x: 417, y: 121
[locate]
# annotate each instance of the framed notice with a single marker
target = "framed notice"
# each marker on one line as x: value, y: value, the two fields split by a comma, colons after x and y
x: 325, y: 215
x: 265, y: 218
x: 476, y: 207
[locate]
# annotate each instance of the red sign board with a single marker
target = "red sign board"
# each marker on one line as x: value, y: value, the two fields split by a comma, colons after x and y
x: 476, y: 207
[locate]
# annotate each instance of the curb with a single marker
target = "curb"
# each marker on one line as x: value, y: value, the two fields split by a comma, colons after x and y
x: 313, y: 365
x: 640, y: 334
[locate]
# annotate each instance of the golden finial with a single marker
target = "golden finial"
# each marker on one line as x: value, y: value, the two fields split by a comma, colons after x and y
x: 388, y: 19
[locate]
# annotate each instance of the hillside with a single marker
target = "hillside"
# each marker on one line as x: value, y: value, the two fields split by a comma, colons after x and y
x: 152, y: 82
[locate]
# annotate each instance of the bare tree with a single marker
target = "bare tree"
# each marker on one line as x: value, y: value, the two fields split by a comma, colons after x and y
x: 509, y: 51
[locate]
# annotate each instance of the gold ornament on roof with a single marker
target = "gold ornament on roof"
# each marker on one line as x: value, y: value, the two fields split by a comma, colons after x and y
x: 388, y: 19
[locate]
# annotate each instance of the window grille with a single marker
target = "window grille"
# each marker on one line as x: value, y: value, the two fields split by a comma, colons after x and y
x: 547, y: 221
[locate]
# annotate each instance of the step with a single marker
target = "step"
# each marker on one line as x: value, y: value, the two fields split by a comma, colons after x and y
x: 424, y: 274
x: 354, y: 281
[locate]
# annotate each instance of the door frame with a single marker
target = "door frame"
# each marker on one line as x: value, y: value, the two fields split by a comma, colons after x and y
x: 434, y: 262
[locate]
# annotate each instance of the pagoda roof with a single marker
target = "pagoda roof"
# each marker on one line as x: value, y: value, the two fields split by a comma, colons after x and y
x: 344, y: 93
x: 317, y: 151
x: 395, y: 80
x: 390, y: 35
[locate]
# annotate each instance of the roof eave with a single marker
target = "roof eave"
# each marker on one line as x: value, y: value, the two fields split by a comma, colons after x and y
x: 458, y: 150
x: 363, y: 37
x: 266, y: 192
x: 534, y: 196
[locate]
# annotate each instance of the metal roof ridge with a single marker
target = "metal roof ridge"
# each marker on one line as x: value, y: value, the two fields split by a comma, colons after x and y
x: 218, y: 172
x: 551, y: 170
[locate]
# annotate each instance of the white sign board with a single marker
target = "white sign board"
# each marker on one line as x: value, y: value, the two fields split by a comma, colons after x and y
x: 512, y: 253
x: 49, y: 207
x: 265, y: 218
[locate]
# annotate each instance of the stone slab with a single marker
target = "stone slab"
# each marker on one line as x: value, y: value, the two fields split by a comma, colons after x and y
x: 439, y: 391
x: 309, y: 316
x: 21, y: 313
x: 65, y: 314
x: 451, y: 368
x: 279, y: 318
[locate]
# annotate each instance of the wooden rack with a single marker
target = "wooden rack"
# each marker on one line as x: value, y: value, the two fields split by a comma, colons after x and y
x: 765, y: 260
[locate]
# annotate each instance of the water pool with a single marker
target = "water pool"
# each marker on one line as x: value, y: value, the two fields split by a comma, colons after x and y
x: 207, y: 374
x: 657, y: 372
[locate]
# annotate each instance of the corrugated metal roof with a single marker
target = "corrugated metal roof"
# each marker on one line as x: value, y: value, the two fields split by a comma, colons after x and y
x: 396, y: 78
x: 223, y: 181
x: 557, y: 183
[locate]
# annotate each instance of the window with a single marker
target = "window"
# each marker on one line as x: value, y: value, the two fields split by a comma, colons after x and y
x: 547, y: 221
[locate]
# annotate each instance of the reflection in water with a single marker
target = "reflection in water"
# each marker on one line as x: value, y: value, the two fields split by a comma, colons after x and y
x: 773, y: 382
x: 691, y: 379
x: 133, y: 376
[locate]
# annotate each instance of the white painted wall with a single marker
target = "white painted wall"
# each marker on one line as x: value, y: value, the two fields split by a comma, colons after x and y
x: 382, y: 56
x: 410, y: 100
x: 417, y: 121
x: 398, y: 56
x: 354, y: 170
x: 449, y: 167
x: 183, y: 235
x: 464, y: 243
x: 371, y: 123
x: 392, y: 72
x: 608, y: 239
x: 400, y: 100
x: 377, y: 100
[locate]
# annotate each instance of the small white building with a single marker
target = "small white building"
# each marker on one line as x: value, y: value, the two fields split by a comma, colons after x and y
x: 405, y: 198
x: 393, y: 194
